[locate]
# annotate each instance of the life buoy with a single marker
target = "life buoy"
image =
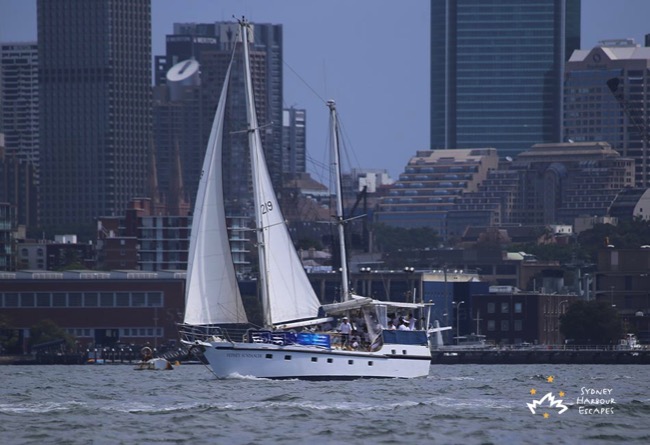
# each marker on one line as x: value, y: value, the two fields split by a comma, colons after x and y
x: 147, y: 353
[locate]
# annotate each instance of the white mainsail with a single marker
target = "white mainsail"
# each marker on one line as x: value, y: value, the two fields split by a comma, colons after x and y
x: 212, y: 294
x: 287, y: 294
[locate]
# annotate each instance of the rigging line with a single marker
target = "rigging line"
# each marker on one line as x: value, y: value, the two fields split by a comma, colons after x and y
x: 348, y: 150
x: 304, y: 81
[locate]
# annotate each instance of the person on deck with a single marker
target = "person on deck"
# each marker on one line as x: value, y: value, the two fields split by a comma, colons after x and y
x: 411, y: 322
x: 345, y: 329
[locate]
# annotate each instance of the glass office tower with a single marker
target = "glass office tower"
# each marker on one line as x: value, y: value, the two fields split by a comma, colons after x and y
x: 496, y: 71
x: 95, y: 116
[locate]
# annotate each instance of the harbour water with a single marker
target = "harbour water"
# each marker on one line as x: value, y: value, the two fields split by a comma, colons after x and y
x: 456, y: 404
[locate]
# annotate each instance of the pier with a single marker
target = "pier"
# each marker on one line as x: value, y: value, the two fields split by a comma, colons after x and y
x: 584, y: 356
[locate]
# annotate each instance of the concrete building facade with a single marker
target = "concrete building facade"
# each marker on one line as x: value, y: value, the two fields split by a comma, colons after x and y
x: 606, y: 99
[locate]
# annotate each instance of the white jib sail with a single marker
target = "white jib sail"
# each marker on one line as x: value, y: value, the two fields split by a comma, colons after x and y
x: 212, y: 294
x: 289, y: 295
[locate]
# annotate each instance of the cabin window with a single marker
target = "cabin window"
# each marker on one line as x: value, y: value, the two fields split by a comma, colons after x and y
x: 370, y: 363
x: 350, y: 362
x: 269, y: 355
x: 287, y: 357
x: 393, y: 351
x: 314, y: 359
x: 329, y: 360
x: 403, y: 351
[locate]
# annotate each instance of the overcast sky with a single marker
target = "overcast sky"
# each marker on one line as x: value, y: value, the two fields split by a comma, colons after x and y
x: 371, y: 56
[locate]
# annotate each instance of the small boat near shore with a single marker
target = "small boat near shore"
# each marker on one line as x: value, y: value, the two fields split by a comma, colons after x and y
x: 149, y: 363
x: 154, y: 364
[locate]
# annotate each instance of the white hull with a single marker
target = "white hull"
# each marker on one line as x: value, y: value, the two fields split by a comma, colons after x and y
x: 315, y: 363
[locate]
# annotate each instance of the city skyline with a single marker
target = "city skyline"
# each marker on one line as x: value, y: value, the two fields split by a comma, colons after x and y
x: 378, y: 113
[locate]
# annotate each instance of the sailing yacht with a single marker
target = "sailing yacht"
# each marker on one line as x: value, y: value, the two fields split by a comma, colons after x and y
x: 292, y: 343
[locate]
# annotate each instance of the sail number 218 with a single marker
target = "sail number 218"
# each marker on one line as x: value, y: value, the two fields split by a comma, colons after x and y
x: 266, y: 207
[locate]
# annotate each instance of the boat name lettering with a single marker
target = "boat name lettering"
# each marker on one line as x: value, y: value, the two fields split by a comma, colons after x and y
x: 244, y: 354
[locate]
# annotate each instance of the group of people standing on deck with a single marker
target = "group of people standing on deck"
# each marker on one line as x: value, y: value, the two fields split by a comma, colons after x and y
x: 407, y: 323
x: 356, y: 336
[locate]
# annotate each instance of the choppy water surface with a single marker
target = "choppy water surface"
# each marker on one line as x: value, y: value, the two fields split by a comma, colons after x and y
x: 460, y: 404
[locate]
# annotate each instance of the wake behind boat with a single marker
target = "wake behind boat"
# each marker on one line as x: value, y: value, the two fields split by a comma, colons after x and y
x: 295, y: 342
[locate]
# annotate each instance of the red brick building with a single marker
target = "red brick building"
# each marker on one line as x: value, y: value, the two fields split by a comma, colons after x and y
x: 97, y: 308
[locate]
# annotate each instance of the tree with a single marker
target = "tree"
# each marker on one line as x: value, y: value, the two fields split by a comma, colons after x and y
x: 591, y: 323
x: 9, y: 337
x: 47, y: 330
x: 626, y: 235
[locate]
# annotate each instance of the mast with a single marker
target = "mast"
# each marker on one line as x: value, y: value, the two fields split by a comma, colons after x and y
x: 336, y: 166
x: 253, y: 141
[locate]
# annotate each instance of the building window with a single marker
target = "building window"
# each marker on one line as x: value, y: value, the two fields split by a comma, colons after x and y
x: 505, y: 326
x: 43, y: 299
x: 90, y: 299
x: 491, y: 308
x: 11, y: 300
x: 518, y: 325
x: 106, y: 299
x: 518, y: 308
x: 491, y: 325
x: 122, y: 299
x: 505, y: 308
x: 74, y: 299
x: 59, y: 299
x: 154, y: 299
x: 138, y: 299
x: 26, y: 299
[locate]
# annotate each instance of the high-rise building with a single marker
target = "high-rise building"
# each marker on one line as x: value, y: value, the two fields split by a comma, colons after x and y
x: 294, y: 144
x: 95, y: 116
x: 184, y: 106
x: 496, y: 71
x: 19, y: 100
x: 606, y: 99
x: 18, y: 187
